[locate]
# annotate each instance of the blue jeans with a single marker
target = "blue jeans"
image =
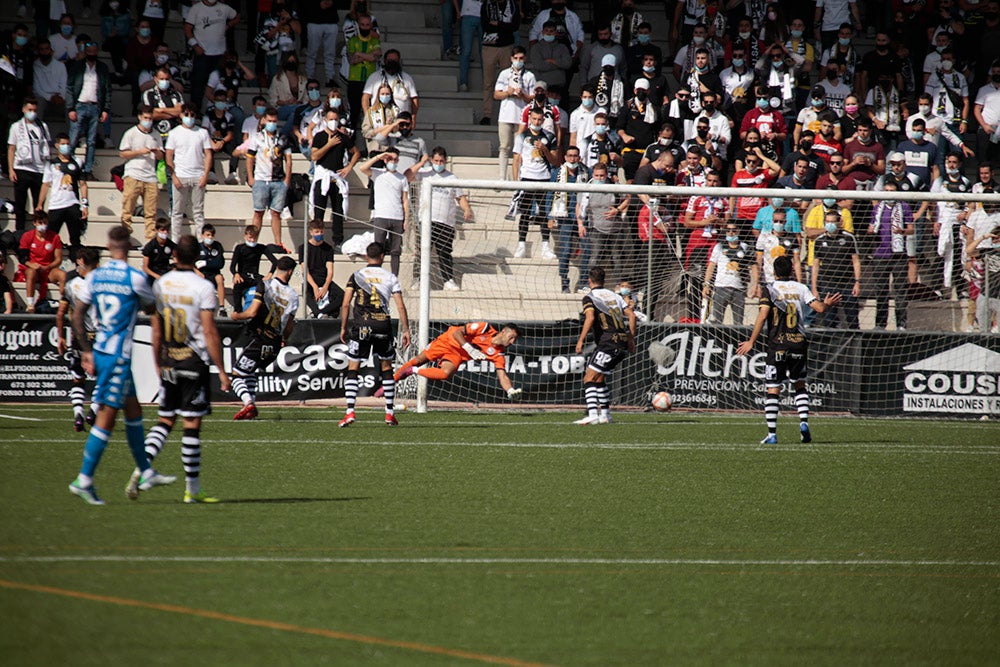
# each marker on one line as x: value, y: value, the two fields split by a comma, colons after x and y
x: 568, y: 237
x: 269, y: 195
x: 87, y: 117
x: 471, y: 29
x: 447, y: 25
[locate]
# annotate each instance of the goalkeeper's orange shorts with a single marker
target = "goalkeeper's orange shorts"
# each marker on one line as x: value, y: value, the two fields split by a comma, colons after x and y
x: 445, y: 348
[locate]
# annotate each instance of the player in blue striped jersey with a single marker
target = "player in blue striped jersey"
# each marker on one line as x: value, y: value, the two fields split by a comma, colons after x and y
x: 116, y: 292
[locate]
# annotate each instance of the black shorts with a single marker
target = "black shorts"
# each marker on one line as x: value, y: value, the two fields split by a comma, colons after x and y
x: 606, y: 357
x: 785, y: 364
x: 371, y: 338
x: 256, y: 356
x: 185, y: 392
x: 528, y: 203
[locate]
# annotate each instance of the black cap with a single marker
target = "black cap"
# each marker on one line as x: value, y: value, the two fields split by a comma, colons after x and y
x: 818, y: 91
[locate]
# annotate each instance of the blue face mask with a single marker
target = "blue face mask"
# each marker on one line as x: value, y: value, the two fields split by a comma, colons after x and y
x: 335, y: 102
x: 625, y: 291
x: 313, y: 94
x: 831, y: 227
x: 385, y: 99
x: 643, y: 39
x: 732, y: 239
x: 21, y: 40
x: 587, y: 102
x: 251, y: 244
x: 438, y: 167
x: 271, y: 126
x: 648, y: 69
x: 260, y: 110
x: 548, y: 38
x: 391, y: 166
x: 843, y: 41
x: 778, y: 227
x: 30, y: 115
x: 188, y: 121
x: 816, y: 103
x: 763, y: 103
x: 917, y: 135
x: 738, y: 62
x: 795, y: 33
x: 65, y: 149
x: 778, y: 202
x: 66, y: 30
x: 317, y: 238
x: 163, y: 84
x: 601, y: 129
x: 829, y: 202
x: 221, y: 106
x: 145, y: 32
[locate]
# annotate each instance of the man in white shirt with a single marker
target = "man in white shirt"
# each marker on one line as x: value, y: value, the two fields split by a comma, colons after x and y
x: 569, y: 27
x: 269, y: 173
x: 205, y: 29
x: 987, y: 113
x: 404, y: 90
x: 189, y: 157
x: 392, y: 202
x: 27, y: 154
x: 581, y: 121
x: 50, y: 80
x: 141, y: 146
x: 514, y: 89
x: 66, y: 193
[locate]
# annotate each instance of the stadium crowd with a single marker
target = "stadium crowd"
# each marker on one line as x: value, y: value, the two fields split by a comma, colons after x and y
x: 750, y: 94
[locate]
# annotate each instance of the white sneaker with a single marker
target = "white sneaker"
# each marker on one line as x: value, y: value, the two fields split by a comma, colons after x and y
x: 605, y: 420
x: 132, y: 488
x: 286, y: 214
x: 521, y: 251
x: 547, y: 252
x: 451, y: 286
x: 155, y: 479
x: 588, y: 421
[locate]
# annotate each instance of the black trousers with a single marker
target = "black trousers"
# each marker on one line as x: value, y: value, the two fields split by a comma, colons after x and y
x: 27, y: 181
x: 443, y: 238
x: 75, y: 225
x: 336, y: 202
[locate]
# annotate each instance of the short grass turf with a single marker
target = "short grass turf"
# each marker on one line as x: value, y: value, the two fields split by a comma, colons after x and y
x: 461, y: 538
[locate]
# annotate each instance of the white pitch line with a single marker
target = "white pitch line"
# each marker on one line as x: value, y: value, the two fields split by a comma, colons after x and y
x: 24, y: 419
x: 815, y: 448
x: 809, y: 562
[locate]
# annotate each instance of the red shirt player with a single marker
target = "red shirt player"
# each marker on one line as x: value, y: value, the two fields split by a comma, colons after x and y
x: 703, y: 216
x: 477, y: 341
x: 43, y: 250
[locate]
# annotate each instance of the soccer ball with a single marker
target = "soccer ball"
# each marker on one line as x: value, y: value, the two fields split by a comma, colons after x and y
x: 661, y: 401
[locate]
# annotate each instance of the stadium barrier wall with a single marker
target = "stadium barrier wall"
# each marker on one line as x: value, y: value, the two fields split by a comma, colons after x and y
x: 920, y: 373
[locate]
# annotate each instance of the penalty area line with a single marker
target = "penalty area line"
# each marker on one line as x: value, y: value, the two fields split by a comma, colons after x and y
x: 271, y: 625
x: 333, y: 560
x: 23, y: 419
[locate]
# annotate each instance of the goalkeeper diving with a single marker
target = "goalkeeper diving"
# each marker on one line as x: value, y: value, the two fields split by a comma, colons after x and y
x: 476, y: 341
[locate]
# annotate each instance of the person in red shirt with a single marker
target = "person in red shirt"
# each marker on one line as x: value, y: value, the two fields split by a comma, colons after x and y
x: 758, y: 171
x: 704, y: 216
x: 477, y: 341
x: 825, y: 144
x: 767, y: 119
x: 41, y: 252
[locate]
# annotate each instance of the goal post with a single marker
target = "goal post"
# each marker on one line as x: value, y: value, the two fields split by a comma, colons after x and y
x: 677, y: 351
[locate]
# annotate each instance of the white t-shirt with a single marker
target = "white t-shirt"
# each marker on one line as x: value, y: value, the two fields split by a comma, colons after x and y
x: 49, y: 79
x: 835, y: 12
x: 534, y: 166
x: 61, y: 194
x: 443, y: 205
x: 143, y: 167
x: 63, y: 48
x: 581, y: 121
x: 250, y: 128
x: 772, y: 246
x: 189, y: 148
x: 729, y: 263
x: 390, y: 186
x: 511, y: 107
x: 210, y: 26
x: 154, y: 9
x: 187, y: 292
x: 403, y: 88
x: 989, y: 97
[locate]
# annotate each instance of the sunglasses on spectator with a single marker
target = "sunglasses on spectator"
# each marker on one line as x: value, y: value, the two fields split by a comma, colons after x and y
x: 91, y: 44
x: 836, y: 162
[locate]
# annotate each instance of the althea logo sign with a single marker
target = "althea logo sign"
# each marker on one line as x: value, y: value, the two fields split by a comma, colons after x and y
x: 962, y: 380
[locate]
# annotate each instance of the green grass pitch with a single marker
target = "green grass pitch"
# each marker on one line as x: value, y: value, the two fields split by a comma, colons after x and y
x: 508, y: 538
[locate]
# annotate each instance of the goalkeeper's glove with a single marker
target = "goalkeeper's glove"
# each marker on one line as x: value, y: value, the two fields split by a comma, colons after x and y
x: 514, y: 393
x: 474, y: 353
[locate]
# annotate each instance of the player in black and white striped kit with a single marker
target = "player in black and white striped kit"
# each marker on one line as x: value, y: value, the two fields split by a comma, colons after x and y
x: 272, y: 316
x: 86, y: 261
x: 185, y: 343
x: 783, y: 306
x: 613, y: 323
x: 369, y: 291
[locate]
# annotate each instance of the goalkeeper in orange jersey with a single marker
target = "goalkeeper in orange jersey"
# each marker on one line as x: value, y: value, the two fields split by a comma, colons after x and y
x: 477, y: 341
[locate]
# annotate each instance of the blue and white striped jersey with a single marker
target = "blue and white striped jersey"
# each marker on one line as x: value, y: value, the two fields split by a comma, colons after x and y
x: 117, y: 292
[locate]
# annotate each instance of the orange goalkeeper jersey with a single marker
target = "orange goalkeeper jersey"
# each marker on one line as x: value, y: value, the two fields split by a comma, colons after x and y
x: 479, y: 334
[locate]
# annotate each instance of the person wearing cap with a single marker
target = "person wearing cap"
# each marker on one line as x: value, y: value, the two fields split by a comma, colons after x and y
x: 549, y: 59
x: 88, y: 100
x: 808, y: 117
x: 592, y: 58
x: 552, y: 120
x: 637, y: 127
x: 609, y: 88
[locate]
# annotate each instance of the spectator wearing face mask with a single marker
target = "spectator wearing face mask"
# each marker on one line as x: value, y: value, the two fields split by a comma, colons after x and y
x: 939, y: 130
x: 758, y: 172
x: 987, y: 113
x: 643, y: 46
x: 549, y: 59
x: 569, y: 27
x: 592, y: 56
x: 49, y: 81
x: 269, y: 172
x: 64, y: 41
x: 815, y: 165
x: 837, y: 270
x: 392, y: 202
x: 404, y: 90
x: 141, y: 147
x: 88, y: 100
x: 205, y: 28
x: 189, y: 157
x: 834, y: 88
x: 551, y: 118
x: 767, y: 120
x: 731, y: 269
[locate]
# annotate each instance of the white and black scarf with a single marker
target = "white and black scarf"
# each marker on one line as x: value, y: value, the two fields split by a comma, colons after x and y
x: 887, y: 107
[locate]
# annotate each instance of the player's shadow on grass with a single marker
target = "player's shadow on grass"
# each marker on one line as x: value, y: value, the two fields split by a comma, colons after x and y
x: 278, y: 501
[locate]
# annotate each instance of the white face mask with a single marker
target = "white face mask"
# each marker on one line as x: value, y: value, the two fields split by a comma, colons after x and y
x: 331, y: 125
x: 924, y: 109
x: 162, y: 235
x: 41, y: 229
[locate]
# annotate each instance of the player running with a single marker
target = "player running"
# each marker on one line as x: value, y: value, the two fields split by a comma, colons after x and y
x: 271, y: 317
x: 185, y: 342
x: 477, y: 341
x: 783, y: 307
x: 86, y: 261
x: 370, y: 290
x: 117, y: 292
x: 613, y: 323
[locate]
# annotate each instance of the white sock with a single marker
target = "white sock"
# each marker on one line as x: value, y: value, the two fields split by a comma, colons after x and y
x: 193, y: 485
x: 84, y: 480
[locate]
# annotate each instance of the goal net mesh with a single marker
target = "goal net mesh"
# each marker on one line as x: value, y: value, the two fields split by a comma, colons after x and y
x: 918, y: 345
